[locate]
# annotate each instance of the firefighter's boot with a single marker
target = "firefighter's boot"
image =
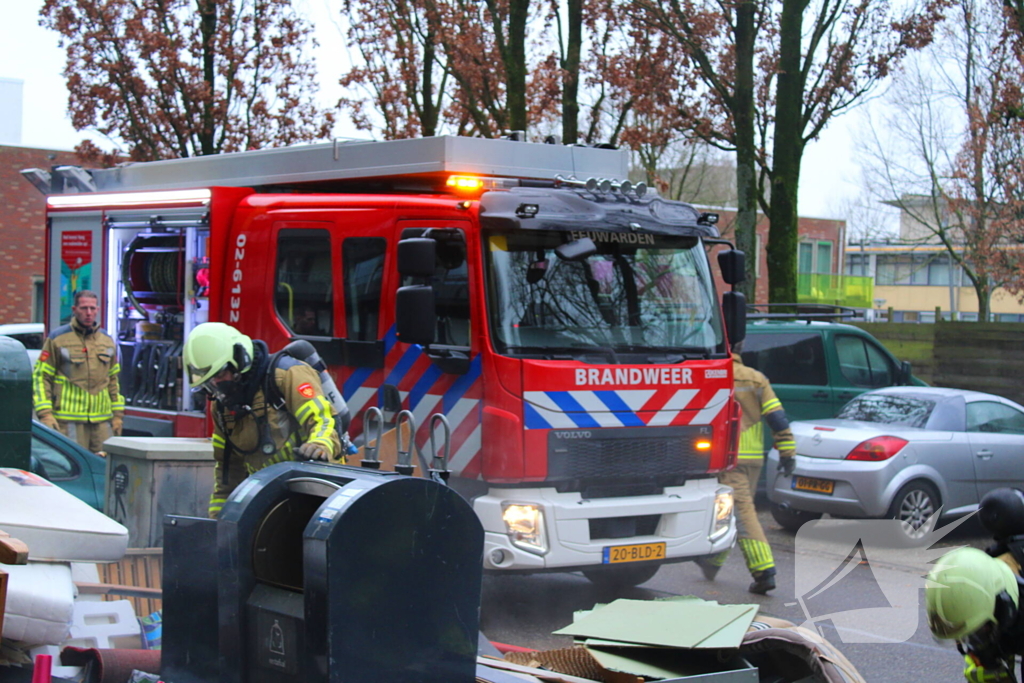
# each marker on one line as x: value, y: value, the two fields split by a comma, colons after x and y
x: 764, y: 581
x: 711, y: 565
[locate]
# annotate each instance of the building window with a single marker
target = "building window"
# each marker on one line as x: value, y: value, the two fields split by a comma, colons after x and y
x: 912, y: 269
x: 38, y: 297
x: 858, y: 265
x: 815, y: 257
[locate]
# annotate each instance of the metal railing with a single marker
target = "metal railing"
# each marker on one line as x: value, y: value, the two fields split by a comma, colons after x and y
x: 840, y: 290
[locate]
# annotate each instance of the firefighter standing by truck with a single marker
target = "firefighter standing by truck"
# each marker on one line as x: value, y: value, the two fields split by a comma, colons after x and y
x: 263, y: 412
x: 75, y: 381
x: 758, y: 403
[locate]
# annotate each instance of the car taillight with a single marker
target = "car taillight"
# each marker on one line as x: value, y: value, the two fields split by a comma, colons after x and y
x: 877, y: 449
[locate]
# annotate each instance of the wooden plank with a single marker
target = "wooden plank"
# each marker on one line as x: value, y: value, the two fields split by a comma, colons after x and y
x: 139, y: 568
x: 12, y: 551
x: 118, y: 590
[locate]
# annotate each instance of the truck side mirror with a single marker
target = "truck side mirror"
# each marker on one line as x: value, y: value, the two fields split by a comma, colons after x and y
x: 416, y: 256
x: 732, y: 263
x: 734, y: 309
x: 415, y: 314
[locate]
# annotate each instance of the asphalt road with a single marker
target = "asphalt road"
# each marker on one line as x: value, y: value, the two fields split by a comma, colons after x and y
x: 524, y: 610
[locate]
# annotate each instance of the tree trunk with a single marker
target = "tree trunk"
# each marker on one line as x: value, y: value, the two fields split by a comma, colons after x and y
x: 428, y: 121
x: 208, y: 23
x: 515, y: 63
x: 786, y: 156
x: 571, y: 73
x: 746, y: 161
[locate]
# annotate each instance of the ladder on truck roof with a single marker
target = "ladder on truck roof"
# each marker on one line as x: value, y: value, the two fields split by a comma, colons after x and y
x: 354, y: 160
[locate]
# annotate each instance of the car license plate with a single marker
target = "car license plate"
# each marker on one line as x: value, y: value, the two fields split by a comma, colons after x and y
x: 813, y: 485
x: 633, y: 553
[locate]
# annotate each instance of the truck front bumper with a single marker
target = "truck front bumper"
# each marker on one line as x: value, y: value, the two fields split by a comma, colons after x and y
x: 685, y: 524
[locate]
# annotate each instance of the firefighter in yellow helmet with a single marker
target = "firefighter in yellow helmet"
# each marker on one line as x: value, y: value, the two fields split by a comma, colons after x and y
x: 973, y: 598
x: 261, y: 415
x: 758, y: 405
x: 75, y: 386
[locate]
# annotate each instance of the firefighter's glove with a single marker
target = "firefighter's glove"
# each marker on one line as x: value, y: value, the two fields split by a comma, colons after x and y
x: 117, y: 424
x: 313, y: 451
x: 787, y: 465
x: 49, y: 420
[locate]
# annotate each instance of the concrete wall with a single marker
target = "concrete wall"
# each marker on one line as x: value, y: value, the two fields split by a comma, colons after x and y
x: 980, y: 356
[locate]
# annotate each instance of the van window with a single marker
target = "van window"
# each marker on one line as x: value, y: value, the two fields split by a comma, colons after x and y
x: 993, y: 417
x: 863, y: 363
x: 797, y: 358
x: 362, y: 270
x: 303, y: 292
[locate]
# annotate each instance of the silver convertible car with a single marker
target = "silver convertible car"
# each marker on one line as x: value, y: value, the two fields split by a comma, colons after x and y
x: 901, y: 452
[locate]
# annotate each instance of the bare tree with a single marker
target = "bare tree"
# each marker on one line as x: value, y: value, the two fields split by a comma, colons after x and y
x: 957, y: 180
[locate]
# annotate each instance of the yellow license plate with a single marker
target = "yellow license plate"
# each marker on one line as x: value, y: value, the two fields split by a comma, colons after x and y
x: 634, y: 553
x: 825, y: 486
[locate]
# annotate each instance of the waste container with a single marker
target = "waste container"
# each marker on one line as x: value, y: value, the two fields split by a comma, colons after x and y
x: 15, y: 404
x: 330, y: 573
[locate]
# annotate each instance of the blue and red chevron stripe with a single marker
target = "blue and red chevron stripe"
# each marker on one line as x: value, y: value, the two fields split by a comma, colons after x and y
x: 424, y: 390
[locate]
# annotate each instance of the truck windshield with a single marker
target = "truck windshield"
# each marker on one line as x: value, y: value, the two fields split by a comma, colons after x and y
x: 638, y: 294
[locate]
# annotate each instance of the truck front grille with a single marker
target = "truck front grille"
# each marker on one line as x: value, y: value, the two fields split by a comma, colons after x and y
x: 603, y: 463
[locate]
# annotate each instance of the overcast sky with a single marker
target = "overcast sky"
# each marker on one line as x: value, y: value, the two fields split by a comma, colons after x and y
x: 30, y: 53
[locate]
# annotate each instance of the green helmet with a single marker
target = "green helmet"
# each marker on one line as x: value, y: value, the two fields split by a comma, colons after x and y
x: 964, y: 590
x: 211, y: 347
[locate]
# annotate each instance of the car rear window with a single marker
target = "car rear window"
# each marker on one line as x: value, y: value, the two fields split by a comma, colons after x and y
x: 890, y: 409
x: 797, y: 358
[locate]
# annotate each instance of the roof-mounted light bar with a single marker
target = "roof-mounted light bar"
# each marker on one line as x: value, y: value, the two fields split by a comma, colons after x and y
x: 603, y: 186
x: 81, y: 201
x: 473, y: 184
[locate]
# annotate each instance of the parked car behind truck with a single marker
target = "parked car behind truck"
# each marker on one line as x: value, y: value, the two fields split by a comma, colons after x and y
x: 818, y: 367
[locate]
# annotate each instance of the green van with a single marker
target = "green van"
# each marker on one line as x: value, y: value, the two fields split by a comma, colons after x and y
x: 817, y: 367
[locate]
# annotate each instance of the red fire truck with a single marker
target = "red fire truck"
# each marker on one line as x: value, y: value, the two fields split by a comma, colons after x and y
x: 565, y: 321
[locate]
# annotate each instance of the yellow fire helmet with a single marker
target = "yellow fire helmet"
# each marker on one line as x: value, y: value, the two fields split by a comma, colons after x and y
x: 964, y: 592
x: 211, y: 347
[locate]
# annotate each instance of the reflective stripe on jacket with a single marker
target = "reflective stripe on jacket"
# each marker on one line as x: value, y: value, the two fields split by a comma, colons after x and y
x: 758, y: 403
x: 76, y: 376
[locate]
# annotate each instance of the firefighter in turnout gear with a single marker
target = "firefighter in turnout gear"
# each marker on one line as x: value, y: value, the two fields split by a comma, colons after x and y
x: 261, y: 414
x: 973, y: 598
x: 75, y: 381
x: 758, y: 405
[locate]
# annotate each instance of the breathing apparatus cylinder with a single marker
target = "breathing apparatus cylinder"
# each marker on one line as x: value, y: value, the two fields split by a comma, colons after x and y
x: 301, y: 349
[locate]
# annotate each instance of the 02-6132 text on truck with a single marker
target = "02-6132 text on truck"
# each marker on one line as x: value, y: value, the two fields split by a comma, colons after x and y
x: 569, y: 329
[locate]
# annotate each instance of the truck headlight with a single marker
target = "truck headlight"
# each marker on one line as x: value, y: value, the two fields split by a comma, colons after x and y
x: 723, y: 514
x: 524, y: 524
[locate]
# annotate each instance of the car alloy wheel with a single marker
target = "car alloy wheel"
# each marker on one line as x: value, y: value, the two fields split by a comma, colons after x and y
x: 914, y: 508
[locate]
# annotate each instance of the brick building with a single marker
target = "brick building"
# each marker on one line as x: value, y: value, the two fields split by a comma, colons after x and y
x: 22, y: 234
x: 819, y: 257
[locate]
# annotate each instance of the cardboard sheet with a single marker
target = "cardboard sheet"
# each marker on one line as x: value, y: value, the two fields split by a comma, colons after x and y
x: 679, y: 623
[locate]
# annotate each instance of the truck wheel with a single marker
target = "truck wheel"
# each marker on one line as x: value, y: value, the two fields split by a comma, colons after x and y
x: 790, y: 519
x: 618, y: 578
x: 914, y: 505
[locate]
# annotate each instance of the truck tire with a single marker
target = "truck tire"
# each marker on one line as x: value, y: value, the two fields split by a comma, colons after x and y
x: 790, y: 519
x: 619, y: 578
x: 913, y: 505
